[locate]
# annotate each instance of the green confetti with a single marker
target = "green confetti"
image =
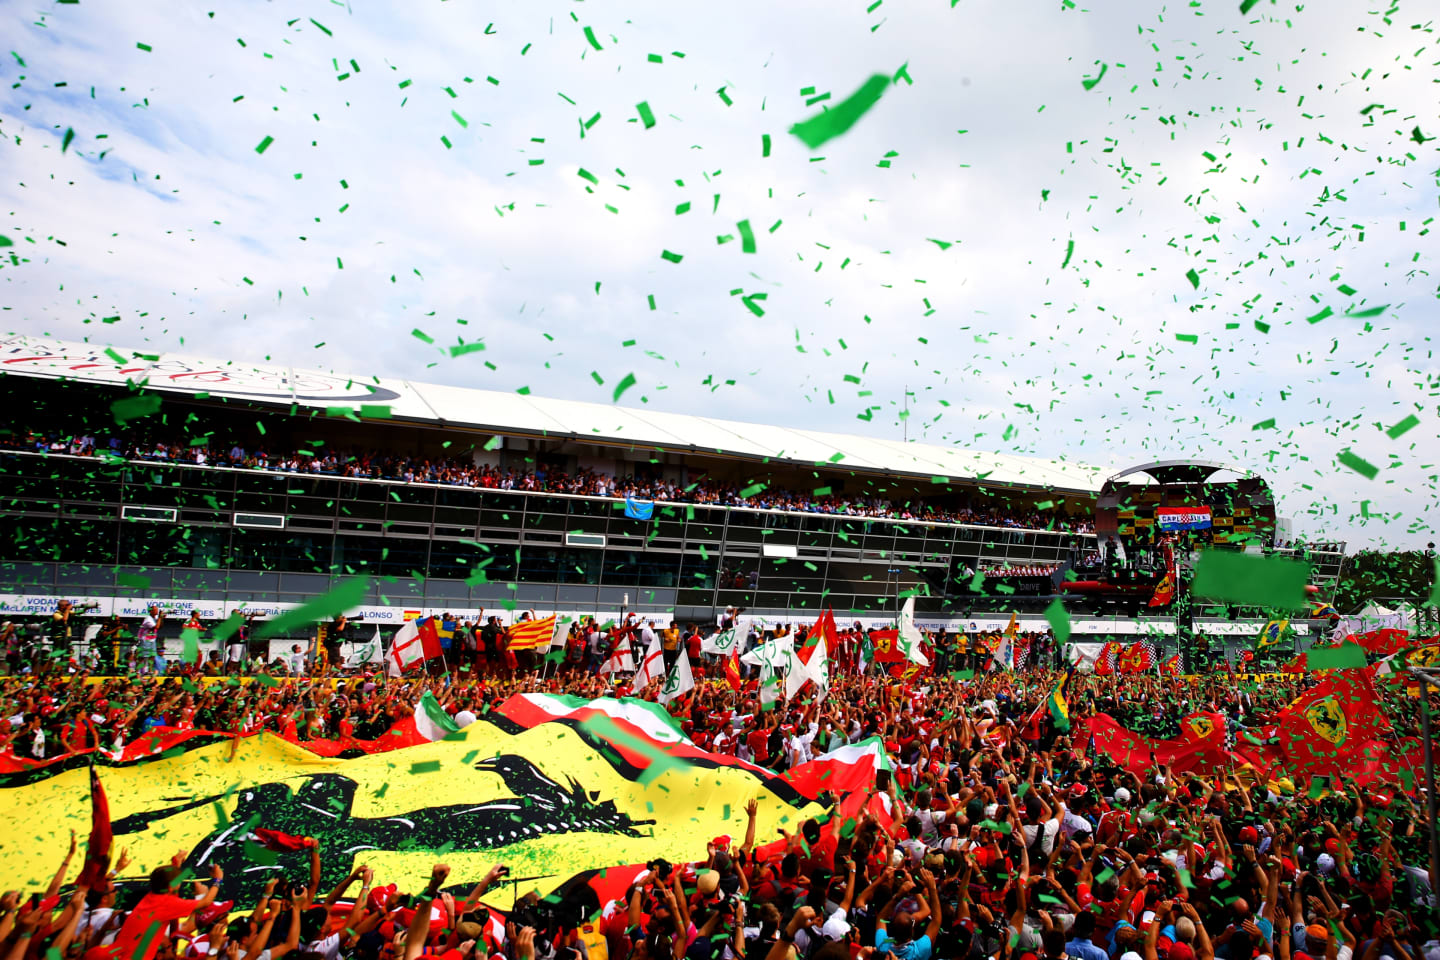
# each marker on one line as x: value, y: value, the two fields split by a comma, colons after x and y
x: 1344, y: 657
x: 1359, y: 465
x: 747, y: 237
x: 1090, y: 83
x: 1248, y: 579
x: 672, y: 257
x: 1059, y: 621
x: 646, y: 116
x: 345, y: 597
x: 132, y: 408
x: 590, y: 35
x: 1404, y: 426
x: 425, y: 766
x: 264, y: 145
x: 144, y: 46
x: 1193, y: 277
x: 830, y: 124
x: 625, y: 384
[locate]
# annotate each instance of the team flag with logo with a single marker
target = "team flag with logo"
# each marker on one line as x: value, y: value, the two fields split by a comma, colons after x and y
x: 594, y: 797
x: 1334, y: 727
x: 1137, y: 657
x: 532, y: 634
x: 679, y: 681
x: 722, y: 643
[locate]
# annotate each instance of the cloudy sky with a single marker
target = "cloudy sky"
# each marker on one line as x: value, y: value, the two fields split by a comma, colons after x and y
x: 1076, y: 230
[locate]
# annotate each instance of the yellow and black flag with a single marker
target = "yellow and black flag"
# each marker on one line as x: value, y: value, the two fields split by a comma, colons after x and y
x: 550, y: 802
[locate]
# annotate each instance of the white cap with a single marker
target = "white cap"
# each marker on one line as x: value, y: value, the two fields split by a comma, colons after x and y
x: 1325, y: 864
x: 1130, y: 955
x: 835, y: 926
x: 1122, y: 795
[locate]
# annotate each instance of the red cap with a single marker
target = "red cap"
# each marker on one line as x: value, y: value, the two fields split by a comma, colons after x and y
x: 722, y: 841
x: 1249, y: 834
x: 1181, y: 951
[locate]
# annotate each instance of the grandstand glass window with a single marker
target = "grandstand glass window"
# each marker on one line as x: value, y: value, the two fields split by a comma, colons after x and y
x: 699, y: 572
x: 416, y: 494
x: 453, y: 559
x: 540, y: 564
x: 502, y: 510
x: 291, y: 551
x: 581, y: 566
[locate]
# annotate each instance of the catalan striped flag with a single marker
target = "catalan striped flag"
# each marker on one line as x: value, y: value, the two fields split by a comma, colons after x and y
x: 532, y: 634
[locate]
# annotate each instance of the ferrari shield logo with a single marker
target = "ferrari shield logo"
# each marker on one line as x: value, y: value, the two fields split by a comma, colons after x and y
x: 1426, y: 656
x: 1327, y: 719
x: 1202, y: 727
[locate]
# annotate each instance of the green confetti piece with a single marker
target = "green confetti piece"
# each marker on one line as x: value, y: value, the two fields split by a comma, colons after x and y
x: 323, y: 29
x: 422, y: 336
x: 625, y: 384
x: 1344, y: 657
x: 67, y: 139
x: 264, y: 145
x: 646, y: 116
x: 1069, y: 252
x: 725, y: 97
x: 1404, y: 426
x: 747, y: 237
x: 590, y: 35
x: 144, y: 46
x: 830, y: 124
x: 1059, y: 621
x: 345, y: 597
x: 1193, y: 277
x: 377, y: 410
x: 425, y: 766
x: 1090, y: 83
x: 1187, y: 338
x: 1248, y: 579
x: 1316, y: 318
x: 672, y: 257
x: 1247, y: 5
x: 1361, y: 466
x: 132, y: 408
x: 460, y: 349
x: 764, y: 144
x: 1264, y: 425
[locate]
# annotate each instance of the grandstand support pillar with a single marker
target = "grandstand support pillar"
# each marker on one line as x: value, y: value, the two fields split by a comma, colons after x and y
x: 1429, y: 678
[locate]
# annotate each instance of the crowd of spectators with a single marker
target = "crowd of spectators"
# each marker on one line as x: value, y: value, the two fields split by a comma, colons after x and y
x: 982, y: 843
x: 462, y: 472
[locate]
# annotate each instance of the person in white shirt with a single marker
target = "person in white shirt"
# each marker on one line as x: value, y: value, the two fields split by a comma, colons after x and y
x: 147, y: 640
x: 295, y: 662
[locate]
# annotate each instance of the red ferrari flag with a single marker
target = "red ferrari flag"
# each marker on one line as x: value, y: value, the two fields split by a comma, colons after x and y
x: 887, y: 646
x: 1105, y: 662
x: 1330, y: 727
x: 1172, y: 667
x: 1138, y: 657
x: 97, y: 851
x: 1382, y: 642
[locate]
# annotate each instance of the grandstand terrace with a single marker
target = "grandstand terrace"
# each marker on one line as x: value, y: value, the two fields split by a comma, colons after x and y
x: 257, y: 485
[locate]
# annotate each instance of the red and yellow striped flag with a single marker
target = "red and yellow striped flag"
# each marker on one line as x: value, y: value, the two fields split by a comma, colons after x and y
x: 532, y: 634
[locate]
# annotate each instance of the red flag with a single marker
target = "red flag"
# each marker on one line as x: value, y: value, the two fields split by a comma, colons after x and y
x: 1138, y: 657
x: 1105, y: 662
x: 886, y: 644
x: 1171, y: 667
x: 97, y: 851
x: 282, y: 842
x: 732, y: 671
x: 1200, y: 747
x: 1382, y: 642
x: 1331, y: 727
x: 824, y: 627
x: 1164, y: 591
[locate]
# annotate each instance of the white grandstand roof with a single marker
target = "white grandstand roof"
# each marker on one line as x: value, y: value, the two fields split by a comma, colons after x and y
x: 513, y: 414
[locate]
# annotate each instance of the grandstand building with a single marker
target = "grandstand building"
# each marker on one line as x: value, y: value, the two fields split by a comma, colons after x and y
x: 129, y: 477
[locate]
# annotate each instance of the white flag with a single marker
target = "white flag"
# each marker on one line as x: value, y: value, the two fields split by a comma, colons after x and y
x: 817, y: 670
x: 366, y: 653
x: 621, y: 661
x: 772, y: 653
x: 769, y: 688
x: 680, y: 681
x: 406, y: 649
x: 720, y: 643
x: 910, y: 636
x: 654, y: 666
